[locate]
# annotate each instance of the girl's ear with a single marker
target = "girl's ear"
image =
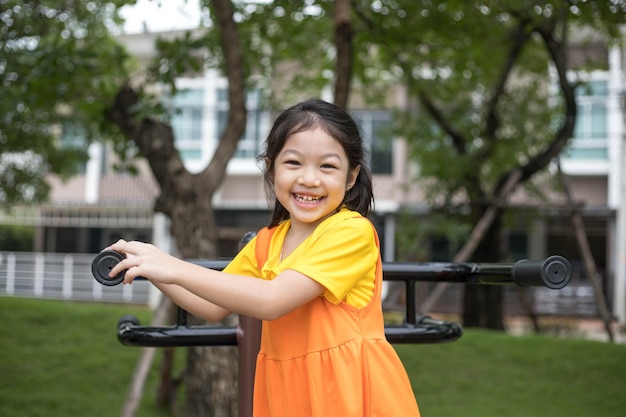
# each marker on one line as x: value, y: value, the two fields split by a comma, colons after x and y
x: 352, y: 176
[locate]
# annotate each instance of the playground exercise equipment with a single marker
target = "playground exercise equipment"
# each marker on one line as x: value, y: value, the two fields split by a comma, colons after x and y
x: 553, y: 272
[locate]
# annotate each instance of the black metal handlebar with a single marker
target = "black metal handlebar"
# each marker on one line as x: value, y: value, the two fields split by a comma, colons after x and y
x: 102, y: 265
x: 553, y: 272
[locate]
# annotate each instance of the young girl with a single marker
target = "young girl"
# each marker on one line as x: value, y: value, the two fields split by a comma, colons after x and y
x: 318, y: 287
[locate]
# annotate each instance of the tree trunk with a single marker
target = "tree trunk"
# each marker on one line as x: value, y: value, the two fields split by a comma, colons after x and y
x: 344, y: 49
x: 483, y: 305
x: 186, y: 199
x: 211, y: 380
x: 211, y: 372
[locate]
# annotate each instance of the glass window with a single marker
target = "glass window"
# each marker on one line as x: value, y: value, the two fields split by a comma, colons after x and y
x: 73, y: 137
x: 187, y: 114
x: 222, y: 95
x: 376, y: 129
x: 590, y: 139
x: 599, y: 88
x: 518, y: 245
x: 598, y: 121
x: 249, y: 146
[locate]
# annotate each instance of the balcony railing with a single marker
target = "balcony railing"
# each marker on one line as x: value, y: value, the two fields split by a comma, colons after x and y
x: 60, y: 276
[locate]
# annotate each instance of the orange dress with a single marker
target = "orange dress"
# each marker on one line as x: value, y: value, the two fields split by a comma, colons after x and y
x: 329, y: 358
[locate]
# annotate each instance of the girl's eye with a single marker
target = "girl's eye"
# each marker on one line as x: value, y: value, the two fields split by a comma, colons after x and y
x: 328, y: 166
x: 292, y: 162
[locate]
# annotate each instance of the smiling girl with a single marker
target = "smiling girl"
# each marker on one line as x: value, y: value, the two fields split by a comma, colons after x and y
x: 314, y: 277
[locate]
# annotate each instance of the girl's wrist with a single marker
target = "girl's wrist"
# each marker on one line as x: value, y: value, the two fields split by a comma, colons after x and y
x: 182, y: 274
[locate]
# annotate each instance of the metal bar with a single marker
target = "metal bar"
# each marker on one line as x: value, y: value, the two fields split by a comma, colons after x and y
x: 553, y: 272
x: 131, y: 334
x: 411, y: 307
x: 425, y: 330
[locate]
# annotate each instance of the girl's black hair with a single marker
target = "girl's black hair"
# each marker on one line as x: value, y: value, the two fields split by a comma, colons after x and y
x: 337, y: 123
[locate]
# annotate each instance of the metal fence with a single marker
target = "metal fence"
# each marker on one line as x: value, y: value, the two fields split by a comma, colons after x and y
x: 60, y: 276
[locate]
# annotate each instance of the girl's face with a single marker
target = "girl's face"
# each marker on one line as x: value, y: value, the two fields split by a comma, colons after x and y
x: 311, y: 176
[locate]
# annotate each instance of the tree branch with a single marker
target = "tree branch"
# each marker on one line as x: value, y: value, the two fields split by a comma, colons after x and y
x: 520, y: 37
x: 557, y: 50
x: 344, y: 50
x: 214, y: 173
x: 155, y: 141
x: 457, y: 137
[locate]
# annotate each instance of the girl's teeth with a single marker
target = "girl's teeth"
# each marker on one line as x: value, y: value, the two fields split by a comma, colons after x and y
x: 306, y: 198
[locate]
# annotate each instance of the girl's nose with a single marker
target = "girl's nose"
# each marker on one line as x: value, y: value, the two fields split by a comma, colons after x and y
x: 309, y: 179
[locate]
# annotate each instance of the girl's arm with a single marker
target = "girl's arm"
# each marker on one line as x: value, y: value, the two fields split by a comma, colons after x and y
x: 200, y: 290
x: 192, y: 303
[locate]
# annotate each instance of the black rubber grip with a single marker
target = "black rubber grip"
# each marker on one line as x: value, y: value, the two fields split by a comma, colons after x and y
x: 103, y: 263
x: 554, y: 272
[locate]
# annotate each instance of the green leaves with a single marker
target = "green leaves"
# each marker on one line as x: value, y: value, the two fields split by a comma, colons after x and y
x: 481, y: 75
x: 58, y: 63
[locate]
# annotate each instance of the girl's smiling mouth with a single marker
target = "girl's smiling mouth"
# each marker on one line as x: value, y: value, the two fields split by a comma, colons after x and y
x: 306, y: 199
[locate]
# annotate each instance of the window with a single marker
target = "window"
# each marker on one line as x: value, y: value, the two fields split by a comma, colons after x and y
x: 518, y: 245
x: 187, y: 115
x: 590, y: 140
x: 74, y: 137
x: 376, y: 128
x: 249, y: 146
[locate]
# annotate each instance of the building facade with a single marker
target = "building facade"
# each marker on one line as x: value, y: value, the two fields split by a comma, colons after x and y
x: 101, y: 205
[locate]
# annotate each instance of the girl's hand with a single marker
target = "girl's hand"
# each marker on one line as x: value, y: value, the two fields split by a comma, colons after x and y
x: 145, y: 260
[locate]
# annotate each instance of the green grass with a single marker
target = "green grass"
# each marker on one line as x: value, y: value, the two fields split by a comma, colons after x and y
x: 492, y: 374
x: 63, y: 359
